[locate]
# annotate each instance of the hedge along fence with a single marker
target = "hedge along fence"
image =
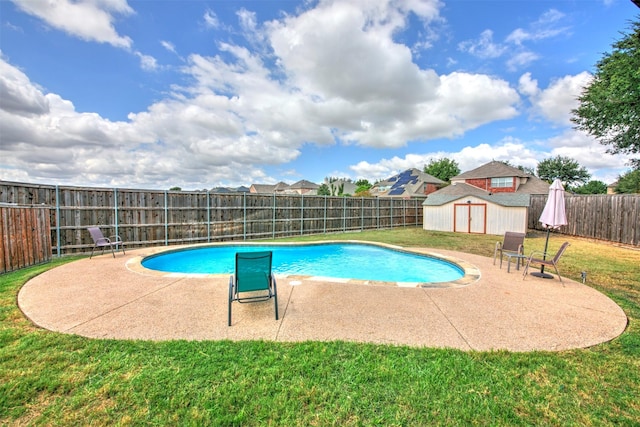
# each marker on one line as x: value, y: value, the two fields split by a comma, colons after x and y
x: 152, y: 217
x: 26, y: 236
x: 614, y: 218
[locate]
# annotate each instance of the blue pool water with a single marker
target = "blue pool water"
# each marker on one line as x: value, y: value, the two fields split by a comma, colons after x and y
x: 337, y: 260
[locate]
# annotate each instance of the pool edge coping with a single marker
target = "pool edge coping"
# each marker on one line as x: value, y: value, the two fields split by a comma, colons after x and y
x: 471, y: 272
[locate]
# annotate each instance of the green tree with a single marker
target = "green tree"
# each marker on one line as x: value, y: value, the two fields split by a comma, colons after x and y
x: 363, y: 186
x: 564, y: 168
x: 175, y: 189
x: 443, y: 169
x: 629, y: 182
x: 610, y: 105
x: 592, y: 187
x: 323, y: 190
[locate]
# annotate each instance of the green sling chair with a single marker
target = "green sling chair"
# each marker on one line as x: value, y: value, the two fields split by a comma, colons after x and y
x: 253, y: 277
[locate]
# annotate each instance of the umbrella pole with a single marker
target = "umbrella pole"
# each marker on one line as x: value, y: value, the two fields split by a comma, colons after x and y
x: 542, y: 274
x: 546, y: 246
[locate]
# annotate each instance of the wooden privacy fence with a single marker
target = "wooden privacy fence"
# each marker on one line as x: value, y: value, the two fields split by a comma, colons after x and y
x: 26, y: 236
x: 152, y: 217
x: 615, y: 218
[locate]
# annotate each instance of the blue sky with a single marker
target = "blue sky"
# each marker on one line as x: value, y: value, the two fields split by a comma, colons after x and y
x: 198, y: 94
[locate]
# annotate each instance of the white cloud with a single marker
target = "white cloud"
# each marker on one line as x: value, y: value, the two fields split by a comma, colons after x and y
x: 173, y: 142
x: 18, y: 96
x: 147, y: 62
x: 211, y: 19
x: 519, y: 56
x: 342, y: 56
x: 528, y: 86
x: 586, y: 150
x: 168, y: 46
x: 545, y: 27
x: 483, y: 47
x: 521, y: 60
x: 556, y: 101
x: 90, y: 20
x: 516, y: 152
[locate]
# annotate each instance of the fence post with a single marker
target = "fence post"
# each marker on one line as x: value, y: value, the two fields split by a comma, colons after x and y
x: 415, y: 210
x: 301, y: 214
x: 404, y: 213
x: 391, y: 213
x: 115, y: 210
x: 344, y: 214
x: 166, y: 218
x: 273, y: 225
x: 324, y: 226
x: 244, y: 216
x: 361, y: 213
x: 58, y: 221
x: 208, y: 218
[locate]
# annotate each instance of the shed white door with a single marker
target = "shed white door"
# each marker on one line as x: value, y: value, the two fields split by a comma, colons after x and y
x: 470, y: 218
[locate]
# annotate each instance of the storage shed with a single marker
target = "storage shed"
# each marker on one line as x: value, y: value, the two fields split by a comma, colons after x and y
x: 464, y: 208
x: 490, y: 199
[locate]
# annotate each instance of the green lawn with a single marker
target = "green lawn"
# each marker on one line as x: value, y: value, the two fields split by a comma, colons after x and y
x: 49, y: 378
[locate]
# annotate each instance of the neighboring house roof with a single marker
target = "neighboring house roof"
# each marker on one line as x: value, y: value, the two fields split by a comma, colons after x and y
x: 241, y: 189
x: 281, y: 187
x: 263, y: 188
x: 492, y: 169
x: 458, y: 191
x: 304, y: 184
x: 405, y: 184
x: 534, y: 185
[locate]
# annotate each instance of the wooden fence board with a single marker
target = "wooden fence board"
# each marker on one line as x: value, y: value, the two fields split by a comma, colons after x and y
x: 614, y: 218
x: 25, y: 236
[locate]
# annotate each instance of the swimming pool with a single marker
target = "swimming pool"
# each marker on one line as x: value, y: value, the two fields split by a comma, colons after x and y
x: 358, y: 261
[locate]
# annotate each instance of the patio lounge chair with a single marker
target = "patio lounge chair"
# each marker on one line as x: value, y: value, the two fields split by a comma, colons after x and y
x: 513, y: 244
x: 99, y: 241
x: 544, y: 261
x: 254, y: 278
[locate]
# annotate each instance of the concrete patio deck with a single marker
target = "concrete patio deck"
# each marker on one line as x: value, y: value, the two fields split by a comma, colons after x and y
x: 108, y: 297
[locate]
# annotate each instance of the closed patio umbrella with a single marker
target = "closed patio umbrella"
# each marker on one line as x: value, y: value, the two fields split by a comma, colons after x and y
x: 553, y: 216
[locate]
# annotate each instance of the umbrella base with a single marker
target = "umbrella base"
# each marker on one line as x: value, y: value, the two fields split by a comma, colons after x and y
x: 542, y: 275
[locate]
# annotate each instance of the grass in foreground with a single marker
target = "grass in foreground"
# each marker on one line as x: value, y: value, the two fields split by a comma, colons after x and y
x: 55, y: 379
